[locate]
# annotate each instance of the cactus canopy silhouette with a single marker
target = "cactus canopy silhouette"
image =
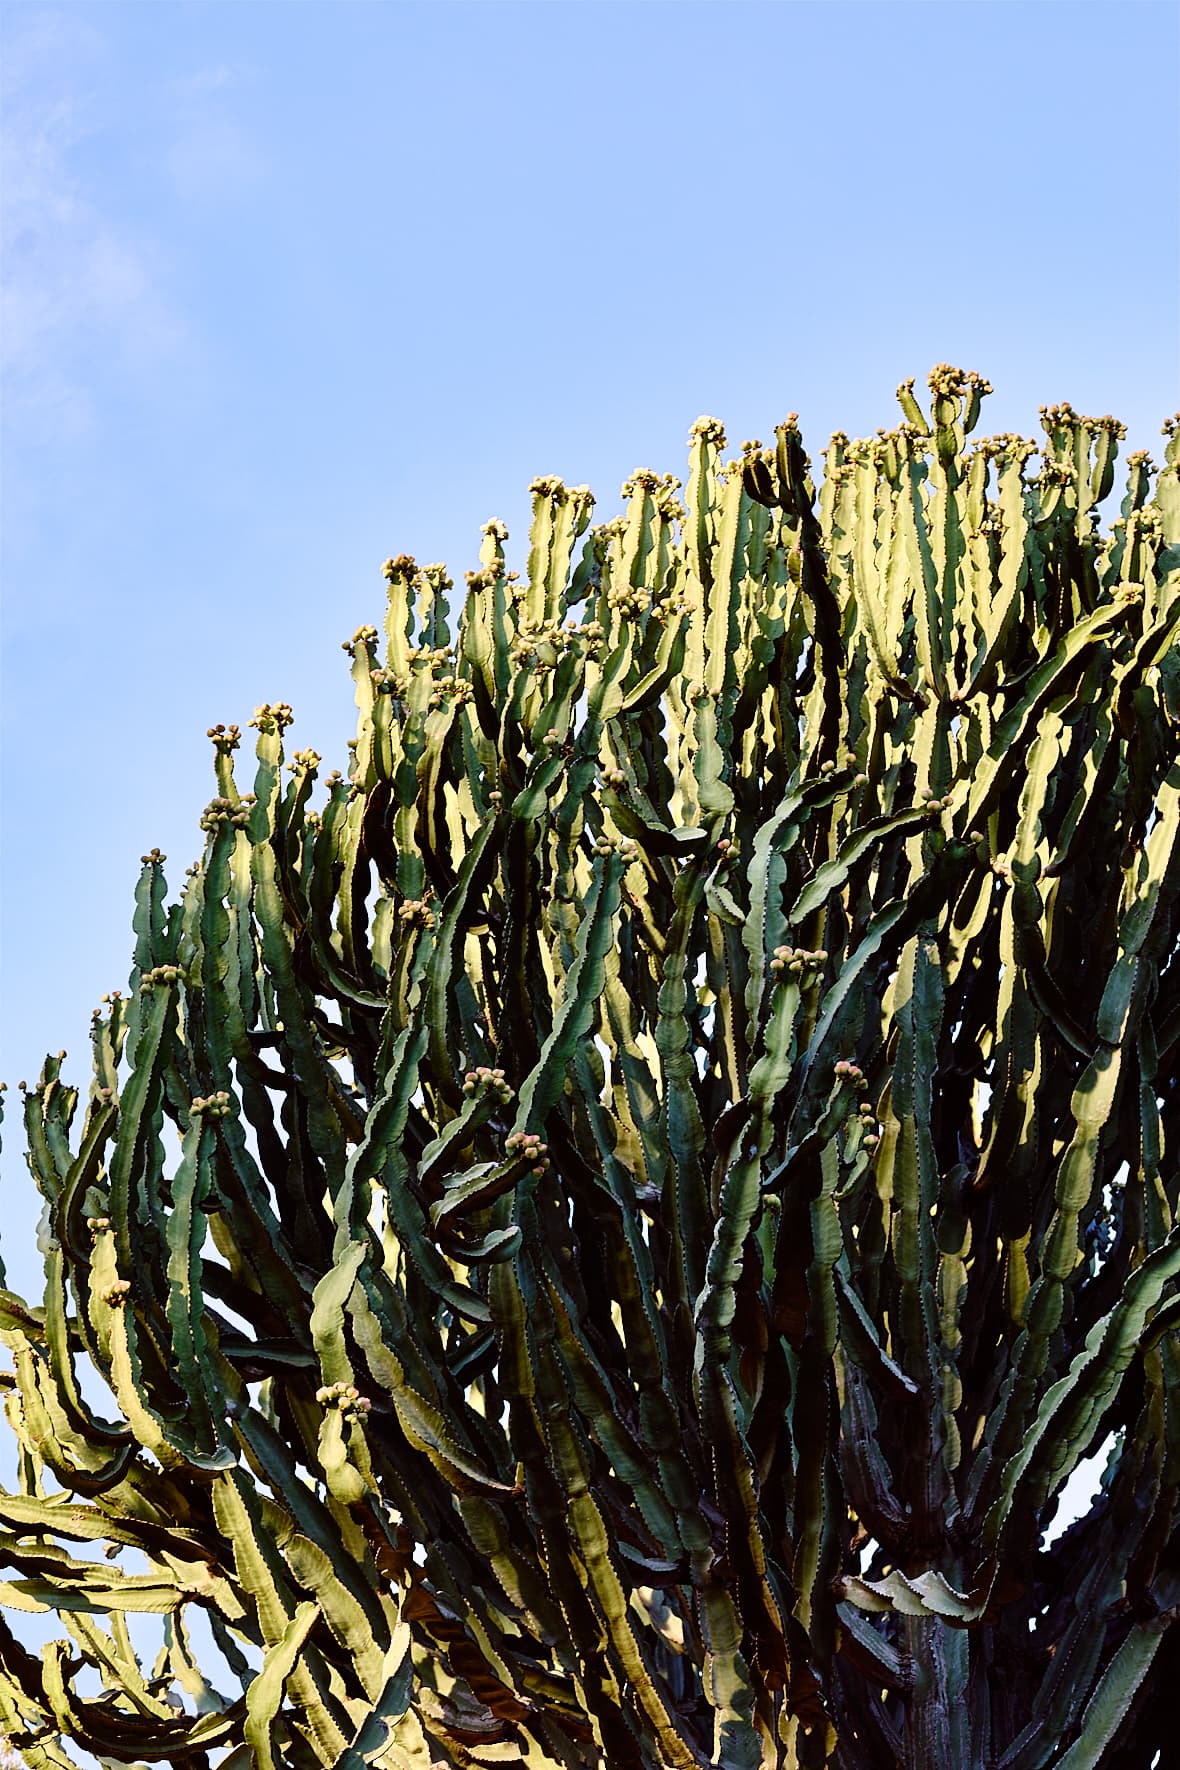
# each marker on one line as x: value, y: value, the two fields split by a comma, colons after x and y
x: 598, y: 1236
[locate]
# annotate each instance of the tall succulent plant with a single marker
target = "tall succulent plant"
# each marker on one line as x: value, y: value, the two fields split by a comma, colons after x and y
x: 600, y: 1239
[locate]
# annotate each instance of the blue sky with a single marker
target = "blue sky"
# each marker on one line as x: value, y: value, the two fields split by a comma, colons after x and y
x: 289, y: 288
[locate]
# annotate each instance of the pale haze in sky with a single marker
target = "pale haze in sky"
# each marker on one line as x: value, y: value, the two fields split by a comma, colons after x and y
x: 290, y: 288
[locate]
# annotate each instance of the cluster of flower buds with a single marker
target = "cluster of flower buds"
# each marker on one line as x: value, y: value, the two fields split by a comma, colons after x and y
x: 228, y: 811
x: 451, y: 688
x: 1063, y: 415
x: 663, y: 487
x: 1058, y: 473
x: 277, y: 714
x: 537, y: 645
x: 365, y: 638
x: 157, y: 974
x: 644, y: 479
x: 401, y: 567
x: 548, y: 485
x: 861, y: 451
x: 797, y: 961
x: 725, y: 845
x: 932, y: 802
x: 947, y: 381
x: 623, y: 847
x: 911, y: 438
x: 306, y: 761
x: 427, y: 656
x: 628, y: 600
x: 225, y: 737
x: 154, y: 858
x: 551, y: 740
x: 116, y: 1294
x: 614, y: 778
x: 710, y: 430
x: 868, y: 1124
x: 416, y: 910
x: 529, y: 1147
x: 214, y: 1106
x: 346, y: 1397
x: 1006, y: 447
x: 850, y: 1072
x: 482, y: 1077
x: 96, y: 1225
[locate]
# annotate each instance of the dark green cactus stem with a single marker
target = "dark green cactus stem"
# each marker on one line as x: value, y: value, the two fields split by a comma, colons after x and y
x: 598, y: 1238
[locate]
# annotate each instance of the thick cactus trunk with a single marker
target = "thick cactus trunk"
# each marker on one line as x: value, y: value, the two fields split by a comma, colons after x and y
x: 940, y: 1732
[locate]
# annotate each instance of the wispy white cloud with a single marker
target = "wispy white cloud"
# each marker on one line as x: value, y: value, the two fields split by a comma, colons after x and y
x: 77, y: 284
x: 86, y: 284
x: 212, y: 155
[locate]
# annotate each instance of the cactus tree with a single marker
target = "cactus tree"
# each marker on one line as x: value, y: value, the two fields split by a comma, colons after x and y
x: 598, y: 1236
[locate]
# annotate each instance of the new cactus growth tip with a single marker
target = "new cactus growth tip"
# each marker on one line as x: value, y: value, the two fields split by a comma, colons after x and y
x: 601, y: 1241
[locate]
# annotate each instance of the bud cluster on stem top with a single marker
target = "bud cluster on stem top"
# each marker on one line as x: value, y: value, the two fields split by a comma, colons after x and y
x: 623, y: 847
x: 346, y: 1397
x: 365, y: 638
x: 222, y: 810
x: 529, y: 1147
x: 158, y: 974
x: 417, y: 911
x: 797, y: 960
x: 272, y: 713
x: 214, y: 1106
x: 481, y: 1076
